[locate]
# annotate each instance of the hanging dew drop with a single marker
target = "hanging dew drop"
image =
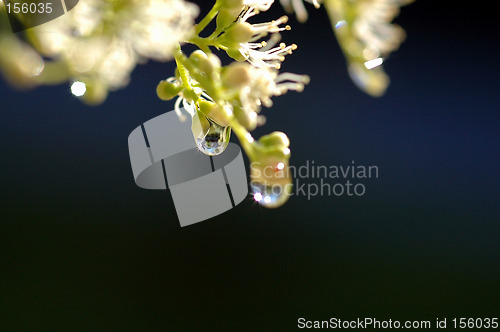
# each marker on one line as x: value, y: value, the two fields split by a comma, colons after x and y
x: 211, y: 138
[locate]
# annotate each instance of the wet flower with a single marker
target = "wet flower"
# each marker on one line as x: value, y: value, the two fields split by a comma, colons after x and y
x: 211, y: 138
x: 271, y: 181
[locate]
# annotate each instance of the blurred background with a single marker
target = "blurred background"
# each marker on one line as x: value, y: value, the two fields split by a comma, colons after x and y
x: 83, y: 248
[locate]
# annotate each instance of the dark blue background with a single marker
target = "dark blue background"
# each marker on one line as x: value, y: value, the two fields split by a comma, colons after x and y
x: 81, y: 247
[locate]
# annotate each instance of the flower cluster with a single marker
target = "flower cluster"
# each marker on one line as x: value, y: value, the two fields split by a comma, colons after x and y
x: 221, y: 99
x: 366, y: 35
x: 97, y: 44
x: 224, y: 98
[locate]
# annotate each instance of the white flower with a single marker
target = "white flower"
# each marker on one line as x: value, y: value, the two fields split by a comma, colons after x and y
x: 264, y: 54
x: 104, y: 41
x: 256, y: 86
x: 298, y: 7
x: 374, y: 29
x: 263, y: 84
x: 156, y: 28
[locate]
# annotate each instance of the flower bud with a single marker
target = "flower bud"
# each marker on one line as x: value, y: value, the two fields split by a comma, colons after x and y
x: 236, y: 75
x: 167, y: 90
x: 271, y: 181
x: 273, y: 153
x: 214, y: 112
x: 209, y: 64
x: 276, y: 139
x: 197, y: 56
x: 227, y: 16
x: 231, y: 4
x: 246, y: 119
x: 270, y: 172
x: 236, y: 54
x: 239, y: 32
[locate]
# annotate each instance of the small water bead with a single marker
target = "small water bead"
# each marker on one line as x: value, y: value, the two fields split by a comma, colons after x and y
x: 270, y: 196
x: 215, y: 141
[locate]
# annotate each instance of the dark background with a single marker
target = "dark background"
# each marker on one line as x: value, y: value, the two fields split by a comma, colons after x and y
x: 83, y: 248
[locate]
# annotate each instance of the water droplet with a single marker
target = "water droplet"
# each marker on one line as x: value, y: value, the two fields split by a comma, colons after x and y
x: 215, y: 140
x: 270, y: 196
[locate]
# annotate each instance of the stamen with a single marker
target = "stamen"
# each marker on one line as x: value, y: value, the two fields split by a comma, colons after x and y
x: 293, y: 77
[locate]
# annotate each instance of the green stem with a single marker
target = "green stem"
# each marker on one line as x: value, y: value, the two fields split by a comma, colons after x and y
x: 205, y: 83
x: 202, y: 43
x: 184, y: 73
x: 242, y: 133
x: 207, y: 19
